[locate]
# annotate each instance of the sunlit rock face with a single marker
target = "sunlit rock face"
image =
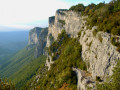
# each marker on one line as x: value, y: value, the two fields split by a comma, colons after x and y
x: 37, y: 40
x: 97, y: 51
x: 66, y: 20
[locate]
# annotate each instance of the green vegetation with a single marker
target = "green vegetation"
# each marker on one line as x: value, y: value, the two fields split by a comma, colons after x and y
x: 62, y: 22
x: 98, y: 79
x: 51, y: 38
x: 79, y: 33
x: 16, y: 62
x: 21, y: 67
x: 78, y: 8
x: 95, y: 32
x: 27, y: 72
x: 114, y: 82
x: 105, y: 16
x: 6, y: 85
x: 118, y: 49
x: 115, y: 42
x: 100, y: 38
x: 32, y: 82
x: 69, y: 52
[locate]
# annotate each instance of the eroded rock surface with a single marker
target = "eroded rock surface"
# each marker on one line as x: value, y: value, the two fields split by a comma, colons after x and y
x: 37, y: 40
x: 97, y: 51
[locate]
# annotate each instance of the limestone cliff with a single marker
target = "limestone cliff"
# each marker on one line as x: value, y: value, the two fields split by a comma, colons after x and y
x: 70, y: 21
x: 97, y: 51
x: 37, y: 40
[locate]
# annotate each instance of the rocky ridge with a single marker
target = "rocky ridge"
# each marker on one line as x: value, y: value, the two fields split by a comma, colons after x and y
x: 97, y: 51
x: 37, y: 40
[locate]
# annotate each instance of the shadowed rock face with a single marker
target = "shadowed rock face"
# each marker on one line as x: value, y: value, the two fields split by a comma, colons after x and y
x: 37, y: 40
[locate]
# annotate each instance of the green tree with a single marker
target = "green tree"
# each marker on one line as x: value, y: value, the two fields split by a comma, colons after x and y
x: 78, y: 8
x: 114, y: 83
x: 116, y: 77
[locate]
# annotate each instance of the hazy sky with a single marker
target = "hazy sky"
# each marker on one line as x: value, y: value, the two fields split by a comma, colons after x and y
x: 26, y: 14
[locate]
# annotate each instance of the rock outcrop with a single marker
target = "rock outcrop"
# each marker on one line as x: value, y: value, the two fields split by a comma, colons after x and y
x: 37, y: 40
x: 66, y: 20
x: 84, y: 80
x: 49, y: 62
x: 97, y: 51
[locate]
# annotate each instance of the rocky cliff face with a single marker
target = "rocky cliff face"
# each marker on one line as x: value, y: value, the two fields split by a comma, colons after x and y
x: 69, y: 21
x: 97, y: 51
x: 37, y: 40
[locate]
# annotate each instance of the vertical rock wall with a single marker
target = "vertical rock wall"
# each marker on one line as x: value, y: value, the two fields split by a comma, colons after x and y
x: 37, y: 40
x: 66, y: 20
x: 97, y: 51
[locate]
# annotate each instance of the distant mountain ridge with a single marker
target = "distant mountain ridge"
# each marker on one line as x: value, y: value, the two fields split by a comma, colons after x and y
x: 19, y: 64
x: 82, y: 47
x: 13, y: 41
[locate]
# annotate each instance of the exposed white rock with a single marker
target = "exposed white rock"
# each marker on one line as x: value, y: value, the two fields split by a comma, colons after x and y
x: 49, y: 62
x: 83, y: 81
x: 97, y: 51
x: 73, y: 24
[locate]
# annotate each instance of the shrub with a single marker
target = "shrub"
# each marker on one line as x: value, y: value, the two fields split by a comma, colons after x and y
x: 100, y: 38
x: 62, y: 22
x: 95, y: 32
x: 116, y: 31
x: 51, y: 37
x: 78, y: 8
x: 114, y: 83
x: 118, y: 49
x: 114, y: 42
x: 79, y: 34
x: 6, y: 85
x: 90, y: 44
x: 69, y: 50
x: 98, y: 79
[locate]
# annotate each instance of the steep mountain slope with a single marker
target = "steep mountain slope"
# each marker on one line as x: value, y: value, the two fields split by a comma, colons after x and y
x: 66, y: 53
x: 37, y: 39
x: 93, y: 64
x: 81, y: 52
x: 27, y: 71
x: 23, y: 65
x: 16, y: 62
x: 6, y: 85
x: 10, y: 43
